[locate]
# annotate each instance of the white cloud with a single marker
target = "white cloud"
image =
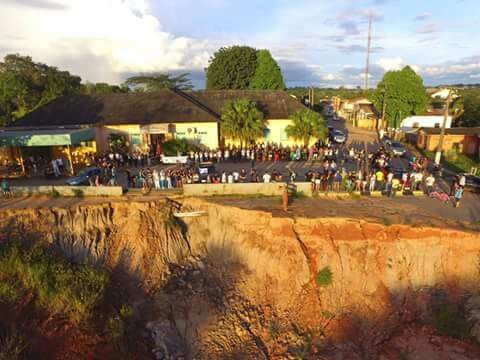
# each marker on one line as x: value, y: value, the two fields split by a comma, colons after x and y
x: 330, y: 77
x: 98, y: 40
x: 388, y: 64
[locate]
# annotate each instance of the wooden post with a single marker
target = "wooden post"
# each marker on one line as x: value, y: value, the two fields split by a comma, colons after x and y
x: 21, y: 161
x: 69, y: 155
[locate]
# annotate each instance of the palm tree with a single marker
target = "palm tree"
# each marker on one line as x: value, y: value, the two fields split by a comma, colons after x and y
x: 155, y: 82
x: 241, y: 120
x: 305, y: 125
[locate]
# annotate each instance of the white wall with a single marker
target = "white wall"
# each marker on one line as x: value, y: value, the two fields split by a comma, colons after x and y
x: 424, y: 121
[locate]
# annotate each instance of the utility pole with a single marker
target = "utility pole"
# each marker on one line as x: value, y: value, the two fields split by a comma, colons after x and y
x: 384, y: 106
x: 438, y: 154
x: 369, y: 45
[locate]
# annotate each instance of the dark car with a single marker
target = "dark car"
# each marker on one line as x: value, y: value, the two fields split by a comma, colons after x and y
x: 204, y: 170
x: 472, y: 183
x: 84, y: 176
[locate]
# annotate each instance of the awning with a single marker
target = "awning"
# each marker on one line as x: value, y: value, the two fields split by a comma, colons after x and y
x: 54, y: 137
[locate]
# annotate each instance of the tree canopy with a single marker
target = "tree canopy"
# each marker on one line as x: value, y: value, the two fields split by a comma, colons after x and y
x: 241, y: 120
x: 158, y: 81
x: 242, y: 68
x: 103, y: 88
x: 231, y: 68
x: 305, y: 125
x: 267, y: 73
x: 26, y: 85
x: 470, y: 103
x: 403, y: 94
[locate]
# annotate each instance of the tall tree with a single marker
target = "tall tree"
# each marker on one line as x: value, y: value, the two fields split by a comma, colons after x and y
x: 470, y: 103
x: 231, y: 68
x: 268, y: 75
x: 403, y: 94
x: 155, y: 82
x: 241, y: 120
x: 306, y: 124
x: 25, y: 85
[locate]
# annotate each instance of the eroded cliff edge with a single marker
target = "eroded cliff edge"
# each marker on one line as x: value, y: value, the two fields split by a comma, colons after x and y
x: 239, y: 282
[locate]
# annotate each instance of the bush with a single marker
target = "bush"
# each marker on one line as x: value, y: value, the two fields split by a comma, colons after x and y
x: 12, y: 345
x: 53, y: 193
x: 324, y: 277
x: 78, y: 193
x: 59, y: 286
x: 178, y: 146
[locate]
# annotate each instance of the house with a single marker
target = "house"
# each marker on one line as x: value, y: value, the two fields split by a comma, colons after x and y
x: 72, y: 126
x: 429, y: 120
x: 465, y: 140
x: 360, y: 112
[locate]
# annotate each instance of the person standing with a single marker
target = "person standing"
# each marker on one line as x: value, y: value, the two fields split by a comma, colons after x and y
x: 429, y: 182
x: 458, y: 195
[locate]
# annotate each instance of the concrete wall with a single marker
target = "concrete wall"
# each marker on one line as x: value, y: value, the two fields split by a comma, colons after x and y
x: 68, y: 190
x: 270, y: 189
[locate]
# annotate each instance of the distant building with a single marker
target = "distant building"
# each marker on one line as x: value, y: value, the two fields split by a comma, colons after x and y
x: 360, y: 113
x: 414, y: 122
x: 465, y: 140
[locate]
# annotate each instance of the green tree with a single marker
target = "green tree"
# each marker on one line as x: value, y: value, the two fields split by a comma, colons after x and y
x: 25, y: 85
x: 403, y: 93
x: 241, y: 120
x: 231, y: 68
x: 103, y: 88
x: 305, y: 125
x: 155, y: 82
x: 268, y: 75
x: 470, y: 103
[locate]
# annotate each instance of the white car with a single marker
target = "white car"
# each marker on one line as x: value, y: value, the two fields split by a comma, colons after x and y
x: 173, y: 159
x: 339, y: 137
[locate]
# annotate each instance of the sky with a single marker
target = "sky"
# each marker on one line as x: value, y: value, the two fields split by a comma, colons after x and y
x: 316, y: 42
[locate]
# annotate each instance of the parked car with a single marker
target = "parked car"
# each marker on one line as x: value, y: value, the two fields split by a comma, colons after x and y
x: 204, y: 170
x: 472, y: 183
x: 338, y: 137
x: 395, y: 148
x: 84, y: 176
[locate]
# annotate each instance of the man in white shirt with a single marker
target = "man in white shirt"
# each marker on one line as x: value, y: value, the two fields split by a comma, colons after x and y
x: 429, y: 181
x: 230, y: 178
x: 266, y: 178
x: 236, y: 176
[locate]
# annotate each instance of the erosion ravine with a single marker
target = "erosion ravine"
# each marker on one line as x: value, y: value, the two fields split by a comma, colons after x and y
x: 243, y: 284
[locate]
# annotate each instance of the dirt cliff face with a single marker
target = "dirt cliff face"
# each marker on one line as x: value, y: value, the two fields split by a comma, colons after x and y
x: 239, y: 283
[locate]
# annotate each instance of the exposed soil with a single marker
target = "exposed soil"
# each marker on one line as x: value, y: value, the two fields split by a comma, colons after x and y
x: 241, y: 282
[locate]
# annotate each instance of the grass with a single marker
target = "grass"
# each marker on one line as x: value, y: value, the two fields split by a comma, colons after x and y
x: 449, y: 320
x: 324, y: 277
x: 53, y: 193
x: 454, y: 161
x: 59, y: 286
x: 78, y: 193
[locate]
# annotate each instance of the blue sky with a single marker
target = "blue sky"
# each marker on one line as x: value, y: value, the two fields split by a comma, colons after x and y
x: 316, y: 42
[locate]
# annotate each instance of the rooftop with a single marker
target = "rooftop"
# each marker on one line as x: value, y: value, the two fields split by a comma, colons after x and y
x: 165, y: 106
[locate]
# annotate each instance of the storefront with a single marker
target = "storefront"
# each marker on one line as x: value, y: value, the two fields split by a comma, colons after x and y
x: 73, y: 145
